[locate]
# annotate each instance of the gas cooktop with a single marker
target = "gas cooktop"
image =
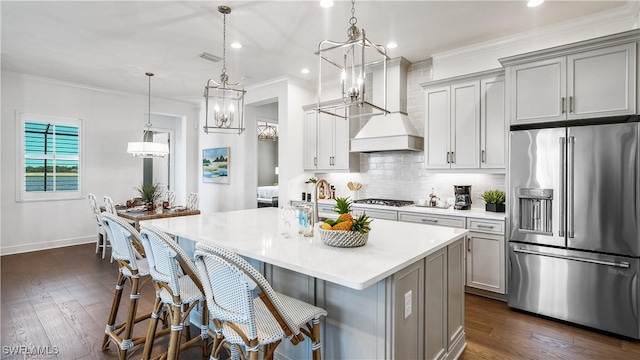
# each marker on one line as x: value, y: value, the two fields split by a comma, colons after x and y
x: 384, y: 202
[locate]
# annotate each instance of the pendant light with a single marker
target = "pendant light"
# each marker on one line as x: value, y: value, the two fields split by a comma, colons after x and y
x: 146, y: 148
x: 227, y: 98
x: 267, y: 132
x: 351, y: 62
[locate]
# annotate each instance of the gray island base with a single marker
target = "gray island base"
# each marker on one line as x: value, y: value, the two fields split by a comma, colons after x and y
x: 401, y: 296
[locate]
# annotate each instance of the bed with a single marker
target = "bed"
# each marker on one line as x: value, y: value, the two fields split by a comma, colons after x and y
x: 267, y: 196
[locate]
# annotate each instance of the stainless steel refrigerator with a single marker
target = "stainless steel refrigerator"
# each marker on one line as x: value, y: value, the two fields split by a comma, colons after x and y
x: 574, y: 238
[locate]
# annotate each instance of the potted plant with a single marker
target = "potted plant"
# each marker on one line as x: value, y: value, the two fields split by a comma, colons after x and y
x: 150, y: 194
x: 494, y: 200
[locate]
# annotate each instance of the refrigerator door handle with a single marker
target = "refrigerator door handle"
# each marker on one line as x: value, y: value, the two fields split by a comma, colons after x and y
x: 622, y: 264
x: 570, y: 187
x: 561, y: 188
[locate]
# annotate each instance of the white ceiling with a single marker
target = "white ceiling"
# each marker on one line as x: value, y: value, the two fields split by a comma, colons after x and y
x: 112, y: 44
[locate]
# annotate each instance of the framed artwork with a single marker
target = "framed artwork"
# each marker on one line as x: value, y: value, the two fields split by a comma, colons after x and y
x: 215, y: 165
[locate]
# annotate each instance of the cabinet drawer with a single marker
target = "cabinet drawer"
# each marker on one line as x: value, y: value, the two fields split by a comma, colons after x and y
x: 487, y: 226
x: 450, y: 221
x: 325, y: 208
x: 377, y: 214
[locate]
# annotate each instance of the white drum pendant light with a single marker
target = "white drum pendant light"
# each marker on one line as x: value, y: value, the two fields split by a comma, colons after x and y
x: 146, y: 148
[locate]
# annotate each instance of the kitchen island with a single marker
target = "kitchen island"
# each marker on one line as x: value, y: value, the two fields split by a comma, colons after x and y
x: 399, y: 296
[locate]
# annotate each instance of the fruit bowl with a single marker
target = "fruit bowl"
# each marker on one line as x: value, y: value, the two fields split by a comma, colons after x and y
x: 343, y: 239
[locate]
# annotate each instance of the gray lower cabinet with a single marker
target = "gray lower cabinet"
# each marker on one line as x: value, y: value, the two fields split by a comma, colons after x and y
x: 430, y: 219
x: 455, y: 297
x: 435, y: 303
x: 376, y: 213
x: 444, y: 303
x: 486, y: 255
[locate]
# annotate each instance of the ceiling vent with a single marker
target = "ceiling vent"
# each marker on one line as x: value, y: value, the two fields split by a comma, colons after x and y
x: 210, y: 57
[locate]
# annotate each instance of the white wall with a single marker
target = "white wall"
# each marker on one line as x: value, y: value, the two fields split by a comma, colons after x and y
x: 110, y: 120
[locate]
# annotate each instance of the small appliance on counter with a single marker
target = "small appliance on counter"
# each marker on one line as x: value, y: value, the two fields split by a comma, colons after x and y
x: 463, y: 197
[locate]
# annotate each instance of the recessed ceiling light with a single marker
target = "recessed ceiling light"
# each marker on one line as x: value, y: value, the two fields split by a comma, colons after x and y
x: 392, y: 45
x: 326, y: 3
x: 304, y: 71
x: 236, y: 45
x: 534, y: 3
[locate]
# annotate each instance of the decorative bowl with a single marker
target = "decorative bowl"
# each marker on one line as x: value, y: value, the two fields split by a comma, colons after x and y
x: 343, y: 239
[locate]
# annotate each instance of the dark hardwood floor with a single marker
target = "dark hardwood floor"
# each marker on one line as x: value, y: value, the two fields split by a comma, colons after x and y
x: 61, y: 298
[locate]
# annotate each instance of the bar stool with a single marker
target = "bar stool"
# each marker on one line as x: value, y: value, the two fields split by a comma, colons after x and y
x: 128, y: 253
x: 247, y: 321
x: 178, y: 290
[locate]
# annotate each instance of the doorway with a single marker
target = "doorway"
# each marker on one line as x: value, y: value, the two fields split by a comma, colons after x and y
x: 164, y: 171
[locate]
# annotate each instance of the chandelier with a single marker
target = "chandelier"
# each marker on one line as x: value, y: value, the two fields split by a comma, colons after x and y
x: 267, y: 132
x: 351, y: 61
x: 146, y: 148
x: 227, y: 98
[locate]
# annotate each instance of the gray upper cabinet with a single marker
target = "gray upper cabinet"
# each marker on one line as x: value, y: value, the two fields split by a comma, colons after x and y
x: 326, y: 142
x: 492, y: 123
x: 594, y: 78
x: 465, y: 122
x: 452, y: 126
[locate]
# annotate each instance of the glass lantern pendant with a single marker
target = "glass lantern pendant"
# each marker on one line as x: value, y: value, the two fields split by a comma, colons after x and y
x: 354, y: 59
x: 227, y: 98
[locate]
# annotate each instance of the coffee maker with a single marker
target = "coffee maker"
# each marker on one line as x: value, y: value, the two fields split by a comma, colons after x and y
x: 463, y: 197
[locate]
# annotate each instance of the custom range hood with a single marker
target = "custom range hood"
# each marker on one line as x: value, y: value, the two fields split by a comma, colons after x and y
x: 394, y: 131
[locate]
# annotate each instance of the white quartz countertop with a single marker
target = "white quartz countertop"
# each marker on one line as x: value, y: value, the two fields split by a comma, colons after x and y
x: 473, y: 212
x: 256, y: 233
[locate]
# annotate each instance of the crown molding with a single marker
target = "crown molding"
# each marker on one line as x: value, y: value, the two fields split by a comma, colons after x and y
x: 89, y: 87
x: 614, y: 16
x: 473, y: 76
x: 630, y: 36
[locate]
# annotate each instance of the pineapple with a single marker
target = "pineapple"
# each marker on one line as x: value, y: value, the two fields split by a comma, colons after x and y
x: 343, y: 207
x: 344, y: 225
x: 361, y: 224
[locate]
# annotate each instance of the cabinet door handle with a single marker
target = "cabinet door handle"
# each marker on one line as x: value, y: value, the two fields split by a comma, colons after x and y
x: 570, y: 104
x: 429, y: 220
x: 469, y: 244
x: 447, y: 157
x: 485, y: 226
x: 453, y: 157
x: 315, y: 161
x: 483, y: 158
x: 563, y: 104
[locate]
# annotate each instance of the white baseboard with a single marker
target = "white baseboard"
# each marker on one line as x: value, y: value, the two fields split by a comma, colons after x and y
x: 45, y: 245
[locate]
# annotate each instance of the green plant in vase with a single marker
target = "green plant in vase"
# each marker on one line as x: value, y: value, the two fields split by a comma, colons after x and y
x: 150, y: 193
x: 494, y: 200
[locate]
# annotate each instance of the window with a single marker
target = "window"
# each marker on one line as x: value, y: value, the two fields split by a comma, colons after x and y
x: 50, y: 166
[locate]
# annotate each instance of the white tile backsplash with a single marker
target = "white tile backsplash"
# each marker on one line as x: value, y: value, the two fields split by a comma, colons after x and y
x: 401, y: 175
